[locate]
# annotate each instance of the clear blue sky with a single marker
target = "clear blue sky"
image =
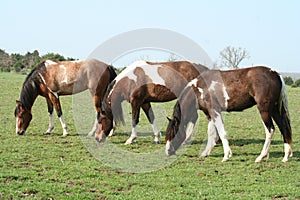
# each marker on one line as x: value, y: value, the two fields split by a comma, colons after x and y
x: 269, y: 30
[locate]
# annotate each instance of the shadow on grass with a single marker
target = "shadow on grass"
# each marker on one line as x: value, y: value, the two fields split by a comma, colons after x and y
x: 241, y: 142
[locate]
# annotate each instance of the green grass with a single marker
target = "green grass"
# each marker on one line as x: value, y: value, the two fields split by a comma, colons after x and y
x: 38, y: 166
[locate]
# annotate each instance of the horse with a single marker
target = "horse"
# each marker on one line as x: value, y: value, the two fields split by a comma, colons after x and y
x: 52, y: 79
x: 140, y: 83
x: 216, y: 91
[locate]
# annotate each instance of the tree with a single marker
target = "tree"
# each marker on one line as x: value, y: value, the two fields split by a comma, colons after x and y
x: 288, y: 80
x: 232, y: 56
x: 296, y: 83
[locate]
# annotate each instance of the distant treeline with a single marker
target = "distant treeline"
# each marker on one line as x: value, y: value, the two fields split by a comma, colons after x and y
x: 16, y: 62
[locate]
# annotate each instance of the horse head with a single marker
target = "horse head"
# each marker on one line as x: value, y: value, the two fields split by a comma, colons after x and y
x: 171, y: 132
x: 175, y: 133
x: 23, y: 118
x: 105, y: 123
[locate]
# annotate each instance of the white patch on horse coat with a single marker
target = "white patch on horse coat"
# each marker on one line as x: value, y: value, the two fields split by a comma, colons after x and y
x: 193, y: 82
x: 152, y: 72
x: 128, y: 71
x: 168, y: 147
x: 201, y: 92
x: 49, y: 62
x: 213, y: 87
x: 54, y: 93
x: 226, y: 96
x: 64, y: 74
x: 42, y: 78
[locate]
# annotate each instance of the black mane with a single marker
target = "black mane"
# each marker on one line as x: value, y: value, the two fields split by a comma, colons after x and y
x: 30, y: 89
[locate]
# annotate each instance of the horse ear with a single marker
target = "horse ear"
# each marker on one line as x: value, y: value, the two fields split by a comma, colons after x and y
x: 19, y: 103
x: 169, y: 119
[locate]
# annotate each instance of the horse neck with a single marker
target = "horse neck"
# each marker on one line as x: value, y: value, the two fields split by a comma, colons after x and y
x: 186, y: 107
x: 29, y: 93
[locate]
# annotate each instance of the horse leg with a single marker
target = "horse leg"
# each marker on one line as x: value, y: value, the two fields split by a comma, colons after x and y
x: 280, y: 120
x: 97, y: 104
x: 55, y: 101
x: 51, y: 120
x: 150, y: 116
x: 269, y: 129
x: 212, y: 138
x: 135, y: 121
x: 218, y: 121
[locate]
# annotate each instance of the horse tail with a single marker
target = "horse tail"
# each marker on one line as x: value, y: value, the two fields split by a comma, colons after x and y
x: 285, y: 122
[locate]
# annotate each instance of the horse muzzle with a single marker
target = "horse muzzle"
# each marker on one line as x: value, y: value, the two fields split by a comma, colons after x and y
x: 22, y: 132
x: 101, y: 137
x: 170, y: 150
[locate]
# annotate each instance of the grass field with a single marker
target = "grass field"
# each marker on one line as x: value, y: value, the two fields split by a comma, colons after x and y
x: 41, y: 166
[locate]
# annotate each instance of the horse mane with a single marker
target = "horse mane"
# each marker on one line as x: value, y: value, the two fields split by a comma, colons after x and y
x: 30, y: 88
x: 112, y: 73
x: 115, y: 110
x: 177, y: 111
x: 200, y: 67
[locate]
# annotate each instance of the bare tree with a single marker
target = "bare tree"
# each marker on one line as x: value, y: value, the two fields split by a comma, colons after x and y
x: 173, y: 57
x: 232, y: 57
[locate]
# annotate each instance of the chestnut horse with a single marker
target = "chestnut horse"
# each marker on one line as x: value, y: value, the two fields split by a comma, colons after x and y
x: 235, y: 90
x: 141, y: 83
x: 52, y: 79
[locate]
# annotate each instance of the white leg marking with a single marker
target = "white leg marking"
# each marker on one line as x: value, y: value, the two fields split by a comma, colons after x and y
x: 212, y: 137
x: 92, y: 132
x: 223, y: 136
x: 265, y: 151
x: 189, y: 132
x: 133, y: 136
x: 17, y: 120
x: 287, y: 152
x: 168, y: 147
x: 51, y: 124
x: 112, y: 131
x: 157, y: 133
x: 64, y: 126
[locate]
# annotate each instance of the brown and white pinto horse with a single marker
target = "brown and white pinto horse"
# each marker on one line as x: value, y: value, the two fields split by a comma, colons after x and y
x: 52, y: 79
x: 141, y: 83
x: 215, y: 91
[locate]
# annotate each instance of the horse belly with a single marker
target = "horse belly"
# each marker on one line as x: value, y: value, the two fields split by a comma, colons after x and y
x: 159, y: 93
x: 240, y: 103
x: 73, y: 88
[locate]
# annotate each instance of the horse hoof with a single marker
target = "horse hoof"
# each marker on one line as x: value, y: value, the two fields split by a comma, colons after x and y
x: 47, y: 133
x: 155, y: 142
x: 225, y: 159
x: 128, y: 143
x: 91, y: 134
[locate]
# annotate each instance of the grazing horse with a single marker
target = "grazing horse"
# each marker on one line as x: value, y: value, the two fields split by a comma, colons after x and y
x: 141, y: 83
x: 52, y: 79
x: 235, y: 90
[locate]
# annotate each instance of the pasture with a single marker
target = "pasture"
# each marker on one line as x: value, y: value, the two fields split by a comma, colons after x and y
x: 55, y: 167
